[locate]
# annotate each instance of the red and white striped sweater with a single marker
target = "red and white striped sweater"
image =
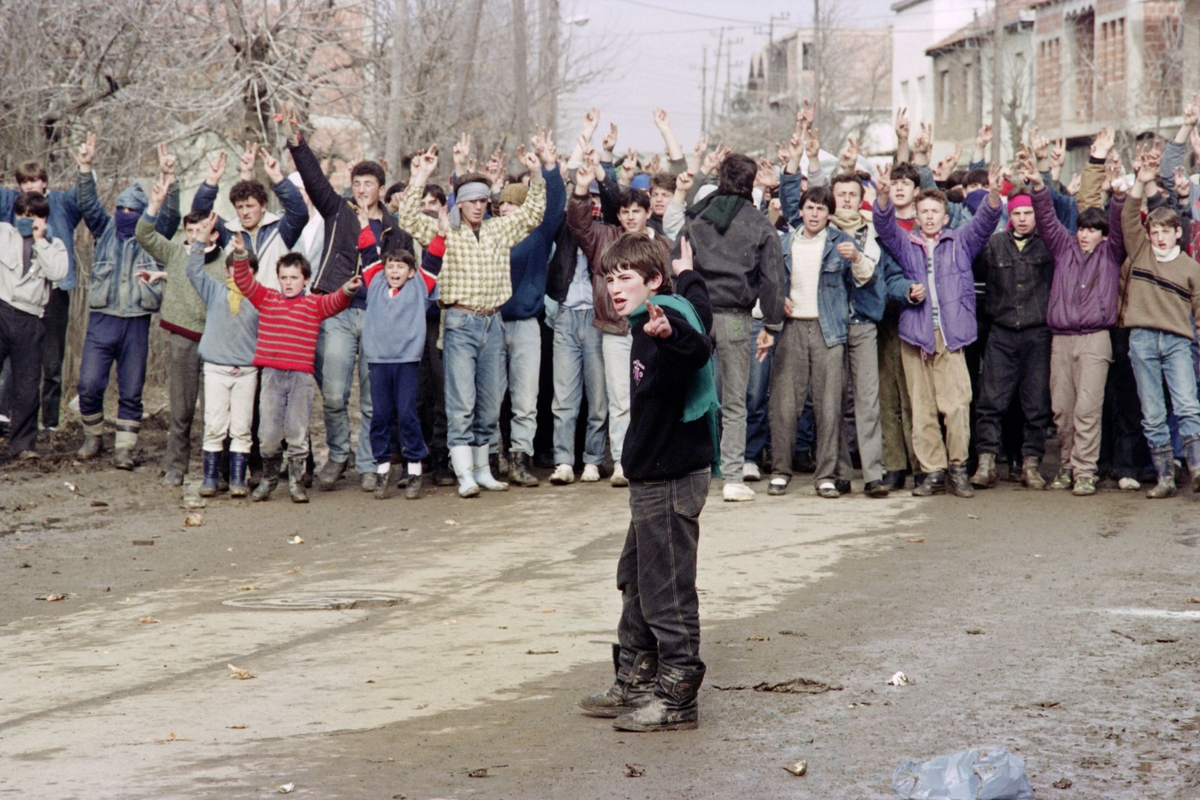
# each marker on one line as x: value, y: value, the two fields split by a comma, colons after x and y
x: 287, y: 328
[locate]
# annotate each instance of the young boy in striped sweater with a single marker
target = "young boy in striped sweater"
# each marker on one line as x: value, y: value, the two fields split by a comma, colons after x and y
x: 288, y: 323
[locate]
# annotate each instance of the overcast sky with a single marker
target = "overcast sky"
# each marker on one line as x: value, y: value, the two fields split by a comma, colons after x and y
x: 655, y: 50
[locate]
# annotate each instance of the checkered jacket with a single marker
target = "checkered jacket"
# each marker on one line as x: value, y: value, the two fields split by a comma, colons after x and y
x: 475, y: 270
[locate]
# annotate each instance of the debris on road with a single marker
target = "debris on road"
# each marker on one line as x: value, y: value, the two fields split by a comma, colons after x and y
x: 239, y: 674
x: 541, y: 652
x: 148, y: 621
x: 52, y: 598
x: 799, y: 769
x: 1063, y: 783
x: 974, y: 632
x: 286, y: 788
x: 70, y: 486
x: 917, y: 540
x: 793, y: 686
x: 193, y: 520
x: 972, y: 516
x: 99, y: 504
x: 297, y: 539
x: 235, y: 727
x: 143, y: 542
x: 479, y: 773
x: 900, y: 679
x: 451, y: 522
x: 635, y: 770
x: 1193, y: 599
x: 964, y: 775
x: 171, y: 737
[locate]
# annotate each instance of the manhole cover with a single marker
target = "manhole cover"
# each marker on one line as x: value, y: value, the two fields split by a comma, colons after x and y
x: 320, y: 601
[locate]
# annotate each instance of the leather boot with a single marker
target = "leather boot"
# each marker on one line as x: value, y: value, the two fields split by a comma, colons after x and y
x: 673, y: 707
x: 296, y: 480
x: 416, y: 483
x: 1191, y: 451
x: 237, y: 474
x: 985, y: 473
x: 934, y: 483
x: 124, y: 442
x: 1030, y: 475
x: 957, y: 482
x: 327, y: 478
x: 212, y: 463
x: 464, y: 467
x: 270, y: 479
x: 519, y: 473
x: 93, y: 438
x: 633, y: 687
x: 383, y: 483
x: 1165, y: 470
x: 483, y: 472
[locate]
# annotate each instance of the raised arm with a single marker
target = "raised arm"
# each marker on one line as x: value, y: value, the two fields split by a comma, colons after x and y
x: 324, y: 197
x: 408, y: 213
x: 662, y: 121
x: 94, y: 215
x: 789, y: 198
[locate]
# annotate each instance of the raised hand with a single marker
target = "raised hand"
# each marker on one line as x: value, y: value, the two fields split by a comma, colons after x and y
x: 443, y: 222
x: 1075, y: 184
x: 923, y: 144
x: 766, y: 177
x: 1194, y: 139
x: 946, y: 166
x: 216, y: 169
x: 531, y: 160
x: 713, y: 160
x: 166, y: 160
x: 701, y: 147
x: 289, y: 124
x: 1058, y: 155
x: 609, y: 142
x: 239, y: 244
x: 983, y: 138
x: 544, y: 146
x: 995, y: 181
x: 205, y: 228
x: 1149, y: 160
x: 902, y: 124
x: 591, y: 119
x: 246, y: 160
x: 653, y: 165
x: 658, y: 326
x: 662, y: 120
x: 812, y: 145
x: 684, y: 262
x: 86, y: 152
x: 424, y: 164
x: 883, y: 184
x: 1103, y: 143
x: 804, y: 117
x: 461, y: 153
x: 848, y: 160
x: 352, y: 286
x: 158, y: 192
x: 271, y: 165
x: 684, y: 182
x: 39, y: 229
x: 628, y: 167
x: 1191, y: 112
x: 1038, y: 143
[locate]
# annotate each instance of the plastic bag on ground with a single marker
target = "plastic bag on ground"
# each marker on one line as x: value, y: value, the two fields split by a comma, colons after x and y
x: 980, y: 774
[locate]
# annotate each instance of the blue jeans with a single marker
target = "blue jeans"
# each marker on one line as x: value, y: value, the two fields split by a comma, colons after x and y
x: 285, y: 401
x: 758, y: 426
x: 472, y: 357
x: 1158, y: 356
x: 522, y: 368
x: 339, y: 343
x: 578, y: 368
x: 125, y: 340
x: 394, y: 396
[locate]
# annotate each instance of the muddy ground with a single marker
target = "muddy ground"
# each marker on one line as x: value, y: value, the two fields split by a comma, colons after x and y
x: 464, y: 631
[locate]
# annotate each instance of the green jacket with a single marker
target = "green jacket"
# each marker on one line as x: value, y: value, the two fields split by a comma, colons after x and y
x: 182, y: 309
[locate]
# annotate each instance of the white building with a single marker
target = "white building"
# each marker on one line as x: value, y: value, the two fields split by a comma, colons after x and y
x: 917, y: 26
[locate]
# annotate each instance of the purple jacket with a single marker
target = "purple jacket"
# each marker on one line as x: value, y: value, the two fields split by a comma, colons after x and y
x: 1085, y: 293
x: 953, y: 254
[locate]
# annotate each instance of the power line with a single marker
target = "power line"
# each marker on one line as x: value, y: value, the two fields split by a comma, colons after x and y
x: 657, y: 7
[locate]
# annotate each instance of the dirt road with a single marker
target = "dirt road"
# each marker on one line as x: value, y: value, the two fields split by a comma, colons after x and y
x: 404, y: 645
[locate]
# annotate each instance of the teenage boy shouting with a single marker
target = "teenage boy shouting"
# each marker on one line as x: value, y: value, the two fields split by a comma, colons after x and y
x: 668, y: 457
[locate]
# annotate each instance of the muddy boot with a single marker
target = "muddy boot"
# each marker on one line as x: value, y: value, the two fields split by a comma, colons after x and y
x: 237, y: 474
x: 270, y: 479
x: 633, y: 688
x: 483, y: 472
x: 327, y: 478
x: 1030, y: 476
x: 296, y: 480
x: 93, y: 438
x: 957, y: 482
x: 985, y: 473
x: 124, y: 442
x: 1165, y: 469
x: 933, y: 483
x: 1191, y: 451
x: 212, y: 463
x: 519, y: 473
x: 416, y: 482
x: 1065, y: 479
x: 673, y: 707
x: 464, y: 467
x: 383, y: 483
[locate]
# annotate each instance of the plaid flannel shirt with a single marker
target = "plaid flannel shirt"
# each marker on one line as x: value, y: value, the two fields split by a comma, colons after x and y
x: 475, y: 270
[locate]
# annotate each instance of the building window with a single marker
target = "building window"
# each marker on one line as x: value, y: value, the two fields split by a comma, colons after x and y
x: 806, y: 57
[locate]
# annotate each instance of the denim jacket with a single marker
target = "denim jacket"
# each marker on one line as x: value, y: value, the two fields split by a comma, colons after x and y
x: 113, y: 288
x: 64, y: 217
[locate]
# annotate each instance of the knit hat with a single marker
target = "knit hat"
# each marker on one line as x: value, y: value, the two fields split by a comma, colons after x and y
x: 514, y: 193
x: 134, y: 198
x: 1019, y: 201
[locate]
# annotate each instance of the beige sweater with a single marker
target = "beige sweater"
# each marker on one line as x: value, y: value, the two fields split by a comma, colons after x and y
x: 1160, y: 295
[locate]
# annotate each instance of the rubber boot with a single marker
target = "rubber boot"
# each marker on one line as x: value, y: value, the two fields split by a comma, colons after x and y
x: 1165, y: 469
x: 212, y: 464
x: 673, y: 707
x: 985, y: 473
x: 1191, y: 451
x: 237, y: 474
x: 270, y: 479
x: 124, y: 442
x: 327, y: 478
x: 519, y: 473
x: 296, y: 480
x: 957, y: 482
x: 462, y: 459
x: 1030, y: 476
x: 933, y: 483
x: 383, y: 483
x: 93, y: 438
x: 483, y: 471
x: 636, y: 671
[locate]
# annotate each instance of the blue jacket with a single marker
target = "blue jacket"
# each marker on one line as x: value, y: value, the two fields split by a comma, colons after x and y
x: 64, y: 218
x: 229, y: 340
x: 529, y: 260
x: 288, y: 227
x: 113, y: 289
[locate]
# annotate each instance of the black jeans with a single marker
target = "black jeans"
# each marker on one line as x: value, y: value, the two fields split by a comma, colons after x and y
x: 431, y: 396
x: 1015, y: 362
x: 657, y: 571
x: 21, y: 337
x: 1122, y: 444
x: 55, y: 321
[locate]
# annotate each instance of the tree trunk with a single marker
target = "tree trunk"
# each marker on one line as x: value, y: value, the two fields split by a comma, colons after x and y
x: 395, y: 116
x: 468, y: 59
x: 520, y: 41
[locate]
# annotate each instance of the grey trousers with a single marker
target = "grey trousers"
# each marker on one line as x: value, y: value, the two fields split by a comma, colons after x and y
x: 895, y: 409
x: 285, y: 402
x: 862, y: 355
x: 731, y: 335
x: 185, y: 376
x: 802, y: 362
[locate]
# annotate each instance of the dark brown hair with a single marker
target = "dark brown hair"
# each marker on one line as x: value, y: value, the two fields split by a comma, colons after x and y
x: 248, y: 190
x: 31, y: 171
x: 294, y: 260
x: 663, y: 180
x: 638, y: 253
x: 932, y: 194
x: 1163, y: 217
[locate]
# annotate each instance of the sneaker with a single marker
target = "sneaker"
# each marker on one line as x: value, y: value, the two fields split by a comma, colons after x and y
x: 1129, y: 484
x: 563, y: 474
x: 750, y: 472
x: 737, y: 493
x: 618, y: 480
x: 828, y: 490
x: 1085, y: 486
x: 591, y: 473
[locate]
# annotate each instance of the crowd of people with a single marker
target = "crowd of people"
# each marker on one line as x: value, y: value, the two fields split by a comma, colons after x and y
x: 715, y: 314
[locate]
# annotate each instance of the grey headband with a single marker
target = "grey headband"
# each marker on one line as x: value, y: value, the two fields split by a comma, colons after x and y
x: 475, y: 190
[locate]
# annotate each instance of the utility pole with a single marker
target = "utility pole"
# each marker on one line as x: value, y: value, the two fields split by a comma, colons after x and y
x: 712, y: 108
x: 997, y: 82
x: 704, y: 90
x: 728, y: 80
x: 395, y: 115
x: 817, y: 78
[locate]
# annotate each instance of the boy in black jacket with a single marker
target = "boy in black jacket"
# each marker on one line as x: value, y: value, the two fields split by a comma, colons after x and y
x: 668, y: 456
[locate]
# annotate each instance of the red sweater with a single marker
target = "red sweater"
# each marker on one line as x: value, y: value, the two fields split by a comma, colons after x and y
x: 287, y: 328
